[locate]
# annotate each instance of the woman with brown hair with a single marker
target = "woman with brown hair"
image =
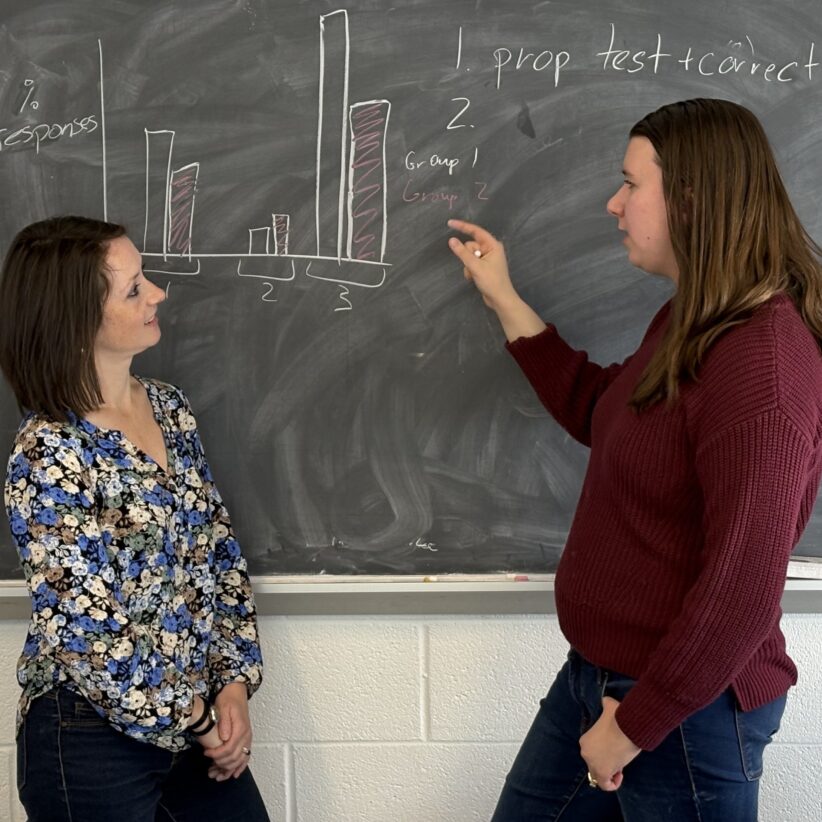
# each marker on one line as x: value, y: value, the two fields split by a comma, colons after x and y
x: 706, y: 452
x: 142, y: 649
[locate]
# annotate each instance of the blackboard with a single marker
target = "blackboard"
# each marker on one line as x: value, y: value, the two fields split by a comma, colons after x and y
x: 357, y: 406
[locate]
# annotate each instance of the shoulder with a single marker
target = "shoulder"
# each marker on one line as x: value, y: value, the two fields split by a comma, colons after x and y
x: 48, y: 447
x: 770, y: 362
x: 171, y: 401
x: 38, y: 433
x: 168, y: 394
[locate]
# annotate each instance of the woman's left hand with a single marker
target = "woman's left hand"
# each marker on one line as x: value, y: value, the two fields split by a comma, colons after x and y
x: 605, y: 749
x: 230, y: 758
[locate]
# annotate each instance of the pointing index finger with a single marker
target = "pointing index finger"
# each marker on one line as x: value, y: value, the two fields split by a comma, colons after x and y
x: 483, y: 237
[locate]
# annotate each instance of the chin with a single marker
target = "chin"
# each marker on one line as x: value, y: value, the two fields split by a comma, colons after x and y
x: 152, y: 342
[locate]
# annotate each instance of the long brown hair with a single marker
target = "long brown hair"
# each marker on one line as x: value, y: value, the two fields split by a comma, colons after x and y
x: 735, y: 235
x: 52, y: 290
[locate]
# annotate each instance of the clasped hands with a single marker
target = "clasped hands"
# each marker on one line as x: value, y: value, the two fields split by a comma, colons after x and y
x: 224, y: 744
x: 605, y: 748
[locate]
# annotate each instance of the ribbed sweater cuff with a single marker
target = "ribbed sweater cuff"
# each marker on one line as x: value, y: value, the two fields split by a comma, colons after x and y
x: 647, y: 715
x: 535, y: 354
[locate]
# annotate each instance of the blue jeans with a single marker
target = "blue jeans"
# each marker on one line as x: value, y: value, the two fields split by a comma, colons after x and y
x: 72, y: 766
x: 707, y: 770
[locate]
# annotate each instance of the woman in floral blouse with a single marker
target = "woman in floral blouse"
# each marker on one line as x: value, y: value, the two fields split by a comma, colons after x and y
x: 142, y: 649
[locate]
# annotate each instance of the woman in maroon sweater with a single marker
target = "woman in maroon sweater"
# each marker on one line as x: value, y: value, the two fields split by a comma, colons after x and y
x: 706, y: 454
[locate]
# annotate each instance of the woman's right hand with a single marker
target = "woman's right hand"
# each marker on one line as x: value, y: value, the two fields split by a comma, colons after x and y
x: 489, y: 270
x: 489, y: 273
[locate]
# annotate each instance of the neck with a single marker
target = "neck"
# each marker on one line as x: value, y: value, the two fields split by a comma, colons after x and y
x: 116, y: 383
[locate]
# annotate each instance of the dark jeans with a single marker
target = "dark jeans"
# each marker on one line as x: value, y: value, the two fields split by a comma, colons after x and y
x: 72, y: 766
x: 707, y: 770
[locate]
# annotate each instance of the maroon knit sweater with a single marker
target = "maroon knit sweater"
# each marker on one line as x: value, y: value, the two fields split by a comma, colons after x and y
x: 675, y: 563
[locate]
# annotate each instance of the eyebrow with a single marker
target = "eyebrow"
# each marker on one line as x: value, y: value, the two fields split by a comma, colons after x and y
x: 626, y: 173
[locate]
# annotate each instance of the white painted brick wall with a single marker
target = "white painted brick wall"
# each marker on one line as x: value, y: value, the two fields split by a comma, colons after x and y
x: 12, y: 634
x: 486, y: 676
x: 403, y: 719
x: 339, y: 680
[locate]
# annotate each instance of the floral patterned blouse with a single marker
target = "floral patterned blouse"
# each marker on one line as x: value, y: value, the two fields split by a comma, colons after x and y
x: 140, y: 595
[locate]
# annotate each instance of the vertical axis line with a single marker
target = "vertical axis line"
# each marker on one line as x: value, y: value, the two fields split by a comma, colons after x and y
x: 103, y: 130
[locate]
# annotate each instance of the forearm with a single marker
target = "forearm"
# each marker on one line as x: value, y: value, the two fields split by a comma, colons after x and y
x: 485, y: 264
x: 235, y: 657
x: 234, y: 651
x: 517, y: 318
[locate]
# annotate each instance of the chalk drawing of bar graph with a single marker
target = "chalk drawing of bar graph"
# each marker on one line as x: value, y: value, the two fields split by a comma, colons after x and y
x: 351, y: 235
x: 170, y: 195
x: 351, y: 230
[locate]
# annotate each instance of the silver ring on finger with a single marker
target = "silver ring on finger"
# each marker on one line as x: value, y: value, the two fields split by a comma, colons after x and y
x: 246, y: 751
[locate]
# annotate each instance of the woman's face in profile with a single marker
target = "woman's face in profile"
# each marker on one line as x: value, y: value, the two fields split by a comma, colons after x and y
x: 639, y: 206
x: 130, y: 323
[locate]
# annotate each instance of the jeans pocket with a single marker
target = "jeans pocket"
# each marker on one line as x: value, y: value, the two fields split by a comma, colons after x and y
x: 78, y: 712
x: 755, y: 729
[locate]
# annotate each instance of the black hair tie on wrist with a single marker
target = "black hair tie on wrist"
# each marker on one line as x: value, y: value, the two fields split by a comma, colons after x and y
x: 203, y: 716
x: 213, y: 719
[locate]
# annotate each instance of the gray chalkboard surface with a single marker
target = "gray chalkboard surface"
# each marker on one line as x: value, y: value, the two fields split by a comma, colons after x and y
x: 359, y: 411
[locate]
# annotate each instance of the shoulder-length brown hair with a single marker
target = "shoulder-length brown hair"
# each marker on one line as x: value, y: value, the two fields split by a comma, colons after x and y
x: 52, y: 290
x: 735, y: 234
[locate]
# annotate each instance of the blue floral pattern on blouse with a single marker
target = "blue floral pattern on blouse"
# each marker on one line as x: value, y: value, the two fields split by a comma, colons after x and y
x: 140, y: 595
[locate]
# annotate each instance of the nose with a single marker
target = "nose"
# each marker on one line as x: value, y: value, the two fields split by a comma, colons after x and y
x: 158, y: 295
x: 614, y: 205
